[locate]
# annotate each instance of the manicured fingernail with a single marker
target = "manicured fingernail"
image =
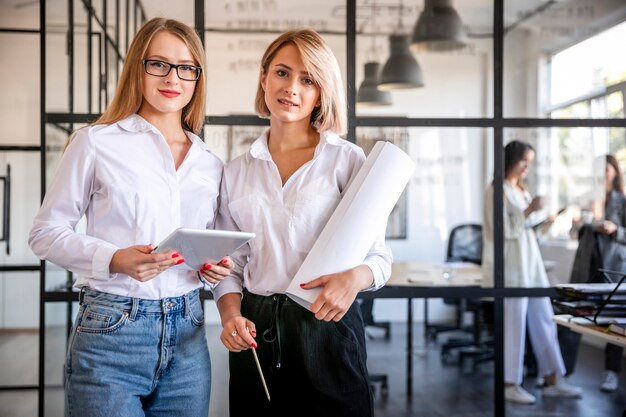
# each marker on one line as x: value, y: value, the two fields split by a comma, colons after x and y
x: 175, y: 255
x: 253, y: 345
x: 224, y: 261
x: 207, y: 266
x: 253, y: 332
x: 302, y: 285
x: 180, y: 261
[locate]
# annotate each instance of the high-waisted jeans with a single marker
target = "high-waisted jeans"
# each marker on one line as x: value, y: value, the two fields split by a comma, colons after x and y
x: 133, y: 357
x: 312, y: 367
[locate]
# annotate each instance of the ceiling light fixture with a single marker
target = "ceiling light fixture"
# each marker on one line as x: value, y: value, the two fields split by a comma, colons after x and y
x: 438, y: 28
x: 369, y: 95
x: 401, y: 71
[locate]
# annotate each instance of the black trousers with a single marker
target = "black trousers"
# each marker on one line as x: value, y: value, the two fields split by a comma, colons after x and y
x: 312, y: 368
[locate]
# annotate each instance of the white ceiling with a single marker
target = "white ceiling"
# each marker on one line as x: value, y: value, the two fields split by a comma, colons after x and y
x: 563, y: 19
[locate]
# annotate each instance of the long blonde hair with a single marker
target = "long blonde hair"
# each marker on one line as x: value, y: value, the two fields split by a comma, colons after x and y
x: 322, y: 65
x: 128, y: 94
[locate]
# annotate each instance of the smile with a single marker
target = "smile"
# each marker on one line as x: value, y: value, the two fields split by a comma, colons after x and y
x: 287, y: 103
x: 169, y: 93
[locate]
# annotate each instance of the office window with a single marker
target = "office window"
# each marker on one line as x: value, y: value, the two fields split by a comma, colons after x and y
x: 560, y: 53
x: 454, y: 83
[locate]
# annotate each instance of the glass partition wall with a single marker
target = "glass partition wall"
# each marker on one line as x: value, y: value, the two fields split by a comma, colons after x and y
x: 547, y: 73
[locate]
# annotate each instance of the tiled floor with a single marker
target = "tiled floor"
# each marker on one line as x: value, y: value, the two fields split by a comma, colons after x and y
x: 438, y: 389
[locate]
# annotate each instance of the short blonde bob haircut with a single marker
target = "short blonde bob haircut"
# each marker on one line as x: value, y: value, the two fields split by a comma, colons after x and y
x: 323, y: 68
x: 129, y: 96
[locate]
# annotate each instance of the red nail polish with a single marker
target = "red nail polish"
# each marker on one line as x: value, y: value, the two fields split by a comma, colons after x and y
x: 180, y: 261
x: 207, y: 266
x: 175, y: 255
x: 253, y: 332
x: 302, y: 285
x: 253, y: 345
x: 224, y: 261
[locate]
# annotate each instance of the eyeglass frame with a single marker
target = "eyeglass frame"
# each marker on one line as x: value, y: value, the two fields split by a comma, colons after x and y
x: 145, y: 68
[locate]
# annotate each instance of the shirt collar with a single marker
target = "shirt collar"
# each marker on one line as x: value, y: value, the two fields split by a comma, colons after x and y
x: 260, y: 150
x: 136, y: 123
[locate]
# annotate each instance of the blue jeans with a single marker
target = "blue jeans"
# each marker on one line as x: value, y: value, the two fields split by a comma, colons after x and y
x: 130, y: 357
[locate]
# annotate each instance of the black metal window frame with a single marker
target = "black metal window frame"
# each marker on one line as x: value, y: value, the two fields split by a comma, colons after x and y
x: 497, y: 124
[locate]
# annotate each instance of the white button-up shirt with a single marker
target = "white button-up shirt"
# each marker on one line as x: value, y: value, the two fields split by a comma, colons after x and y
x: 122, y: 177
x: 287, y: 219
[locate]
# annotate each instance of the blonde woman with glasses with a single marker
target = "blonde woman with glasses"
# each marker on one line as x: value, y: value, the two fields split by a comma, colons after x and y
x: 284, y: 189
x: 138, y: 344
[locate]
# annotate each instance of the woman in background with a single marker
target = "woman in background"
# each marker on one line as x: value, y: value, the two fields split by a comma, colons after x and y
x: 602, y: 245
x: 523, y: 268
x: 138, y: 345
x: 285, y: 189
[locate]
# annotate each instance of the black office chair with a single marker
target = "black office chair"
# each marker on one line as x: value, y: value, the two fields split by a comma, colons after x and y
x: 465, y: 244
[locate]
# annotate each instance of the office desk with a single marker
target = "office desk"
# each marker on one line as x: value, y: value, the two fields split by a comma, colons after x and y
x: 584, y: 326
x: 434, y: 274
x: 417, y: 280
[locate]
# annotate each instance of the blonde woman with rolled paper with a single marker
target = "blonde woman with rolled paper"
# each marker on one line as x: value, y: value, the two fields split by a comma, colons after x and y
x: 285, y: 189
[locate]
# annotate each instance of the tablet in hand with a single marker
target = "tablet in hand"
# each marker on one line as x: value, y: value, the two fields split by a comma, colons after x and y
x: 201, y: 246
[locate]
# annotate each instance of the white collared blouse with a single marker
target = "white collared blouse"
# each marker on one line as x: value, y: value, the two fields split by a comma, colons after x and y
x: 122, y: 177
x: 287, y: 219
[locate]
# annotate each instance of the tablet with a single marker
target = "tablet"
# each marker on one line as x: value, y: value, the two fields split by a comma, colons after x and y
x: 200, y: 246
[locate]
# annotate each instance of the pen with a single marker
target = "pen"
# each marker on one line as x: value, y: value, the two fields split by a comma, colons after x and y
x: 258, y: 366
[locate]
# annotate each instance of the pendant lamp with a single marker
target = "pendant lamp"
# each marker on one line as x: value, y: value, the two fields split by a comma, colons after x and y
x: 401, y: 71
x: 369, y: 95
x: 438, y: 28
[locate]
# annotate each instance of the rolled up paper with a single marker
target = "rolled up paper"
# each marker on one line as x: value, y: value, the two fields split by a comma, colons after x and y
x: 359, y: 218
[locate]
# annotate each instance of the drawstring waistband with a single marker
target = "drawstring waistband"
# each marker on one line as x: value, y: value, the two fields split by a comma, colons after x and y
x: 272, y: 334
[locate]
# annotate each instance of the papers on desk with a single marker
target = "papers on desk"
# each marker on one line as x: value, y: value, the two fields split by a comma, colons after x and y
x: 359, y: 218
x: 590, y: 308
x: 591, y: 291
x: 603, y: 303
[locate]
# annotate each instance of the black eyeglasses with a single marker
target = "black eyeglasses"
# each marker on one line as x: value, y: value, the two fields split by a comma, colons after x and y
x: 162, y: 69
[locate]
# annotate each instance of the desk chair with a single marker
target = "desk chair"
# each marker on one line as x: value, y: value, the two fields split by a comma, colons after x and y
x: 465, y: 244
x: 482, y: 348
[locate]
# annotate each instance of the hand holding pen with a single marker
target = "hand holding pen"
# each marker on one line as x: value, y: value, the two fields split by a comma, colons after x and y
x: 236, y: 341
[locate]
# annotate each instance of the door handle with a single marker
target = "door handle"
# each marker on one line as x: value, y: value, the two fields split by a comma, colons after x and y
x: 6, y: 209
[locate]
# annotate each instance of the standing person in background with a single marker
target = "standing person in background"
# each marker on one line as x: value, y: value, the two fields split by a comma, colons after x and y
x: 602, y: 245
x: 285, y: 189
x: 523, y: 268
x: 138, y: 345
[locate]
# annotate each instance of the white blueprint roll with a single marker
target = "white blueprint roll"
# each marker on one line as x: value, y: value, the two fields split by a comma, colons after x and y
x: 359, y: 217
